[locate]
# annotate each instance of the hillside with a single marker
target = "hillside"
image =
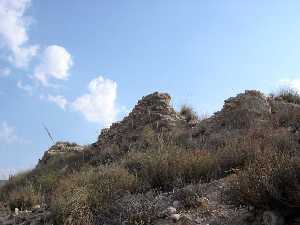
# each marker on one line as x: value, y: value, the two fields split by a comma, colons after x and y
x: 2, y: 182
x: 240, y: 166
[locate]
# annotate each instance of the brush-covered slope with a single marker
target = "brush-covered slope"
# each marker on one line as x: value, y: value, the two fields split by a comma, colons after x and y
x: 158, y: 165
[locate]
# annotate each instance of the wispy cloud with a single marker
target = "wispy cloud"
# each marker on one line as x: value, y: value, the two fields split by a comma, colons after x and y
x: 99, y: 104
x: 13, y: 31
x: 25, y: 87
x: 58, y: 100
x: 8, y: 135
x: 56, y: 63
x: 4, y: 72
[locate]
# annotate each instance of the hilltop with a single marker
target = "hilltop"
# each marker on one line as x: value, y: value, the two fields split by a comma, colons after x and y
x: 241, y: 166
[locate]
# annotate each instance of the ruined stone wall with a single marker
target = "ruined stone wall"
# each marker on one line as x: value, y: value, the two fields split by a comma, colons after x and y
x: 153, y: 111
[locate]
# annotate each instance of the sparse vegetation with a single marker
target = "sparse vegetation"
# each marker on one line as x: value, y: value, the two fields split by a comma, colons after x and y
x: 170, y: 167
x: 19, y: 192
x: 81, y: 195
x: 289, y: 95
x: 271, y: 181
x: 117, y: 186
x: 188, y: 113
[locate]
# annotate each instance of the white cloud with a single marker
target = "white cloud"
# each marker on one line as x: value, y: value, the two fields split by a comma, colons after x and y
x: 99, y: 104
x: 25, y: 87
x: 290, y: 83
x: 56, y: 63
x: 13, y: 31
x: 4, y: 72
x: 58, y: 100
x: 8, y: 135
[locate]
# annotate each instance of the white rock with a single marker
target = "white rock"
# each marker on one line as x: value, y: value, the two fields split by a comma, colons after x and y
x: 177, y: 204
x: 36, y: 207
x: 175, y: 217
x: 170, y: 210
x: 203, y: 202
x: 17, y: 211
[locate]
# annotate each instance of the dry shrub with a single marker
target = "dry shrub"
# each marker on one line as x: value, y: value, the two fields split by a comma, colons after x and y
x: 131, y: 209
x: 71, y: 201
x: 23, y: 199
x: 107, y: 182
x: 289, y: 95
x: 188, y: 197
x: 271, y: 181
x: 170, y: 167
x: 188, y: 113
x: 235, y: 154
x: 238, y: 151
x: 27, y: 189
x: 288, y: 117
x: 82, y: 195
x: 19, y: 192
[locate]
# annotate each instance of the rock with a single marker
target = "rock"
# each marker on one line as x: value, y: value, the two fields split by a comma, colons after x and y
x: 174, y: 217
x: 152, y: 113
x: 177, y: 204
x: 17, y: 211
x: 246, y: 110
x: 203, y: 202
x: 36, y: 207
x: 272, y: 218
x: 187, y: 197
x: 60, y: 148
x: 169, y: 211
x: 186, y: 219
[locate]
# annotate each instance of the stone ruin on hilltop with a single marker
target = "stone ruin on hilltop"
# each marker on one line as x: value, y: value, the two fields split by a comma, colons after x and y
x: 153, y: 111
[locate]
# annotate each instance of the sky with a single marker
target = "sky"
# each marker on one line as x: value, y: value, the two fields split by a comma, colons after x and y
x: 77, y: 66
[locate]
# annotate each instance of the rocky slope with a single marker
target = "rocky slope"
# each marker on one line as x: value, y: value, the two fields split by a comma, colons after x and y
x: 247, y: 112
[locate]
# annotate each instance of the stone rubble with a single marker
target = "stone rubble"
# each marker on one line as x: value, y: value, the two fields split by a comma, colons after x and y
x: 38, y: 216
x: 153, y: 111
x: 60, y: 148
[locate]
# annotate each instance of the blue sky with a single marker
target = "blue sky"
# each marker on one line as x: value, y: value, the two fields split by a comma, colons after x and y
x: 76, y: 66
